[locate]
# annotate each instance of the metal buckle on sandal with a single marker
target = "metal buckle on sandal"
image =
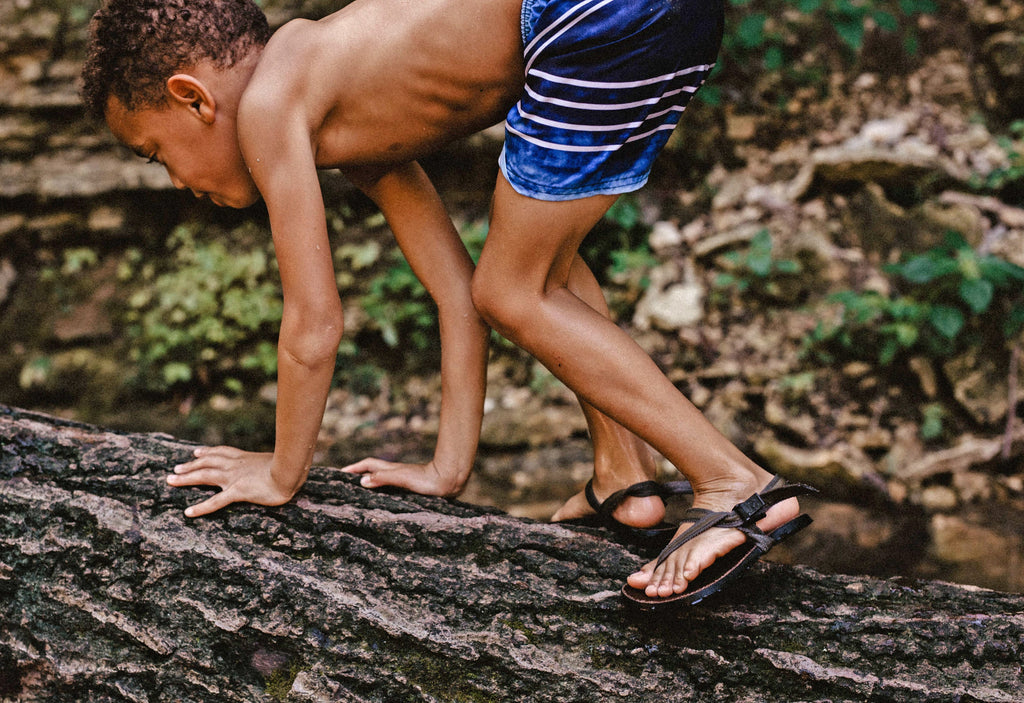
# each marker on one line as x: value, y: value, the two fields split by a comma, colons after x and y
x: 752, y: 509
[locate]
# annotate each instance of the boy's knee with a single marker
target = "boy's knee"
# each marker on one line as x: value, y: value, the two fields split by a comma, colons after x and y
x: 495, y: 301
x: 485, y: 297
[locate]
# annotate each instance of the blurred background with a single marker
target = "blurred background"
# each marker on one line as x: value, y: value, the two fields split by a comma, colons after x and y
x: 827, y: 261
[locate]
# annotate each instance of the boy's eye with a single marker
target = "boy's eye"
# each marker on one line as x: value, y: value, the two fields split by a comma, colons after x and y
x: 152, y: 160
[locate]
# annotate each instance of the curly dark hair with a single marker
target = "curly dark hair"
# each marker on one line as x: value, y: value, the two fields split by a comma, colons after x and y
x: 136, y: 45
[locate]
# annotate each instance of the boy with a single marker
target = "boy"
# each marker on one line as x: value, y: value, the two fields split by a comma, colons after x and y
x: 235, y: 115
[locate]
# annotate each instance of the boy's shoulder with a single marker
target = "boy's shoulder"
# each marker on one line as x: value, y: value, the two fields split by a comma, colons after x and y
x: 284, y: 78
x: 283, y: 64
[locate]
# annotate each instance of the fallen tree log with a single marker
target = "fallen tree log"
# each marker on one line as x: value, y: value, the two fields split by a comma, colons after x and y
x: 110, y: 594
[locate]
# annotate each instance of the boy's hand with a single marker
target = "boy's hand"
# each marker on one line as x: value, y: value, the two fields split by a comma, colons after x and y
x: 241, y: 476
x: 425, y: 479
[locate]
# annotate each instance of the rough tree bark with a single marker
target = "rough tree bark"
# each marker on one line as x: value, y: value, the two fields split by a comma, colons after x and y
x: 110, y: 594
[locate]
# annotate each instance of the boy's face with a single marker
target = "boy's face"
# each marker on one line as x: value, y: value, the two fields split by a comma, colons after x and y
x: 201, y: 156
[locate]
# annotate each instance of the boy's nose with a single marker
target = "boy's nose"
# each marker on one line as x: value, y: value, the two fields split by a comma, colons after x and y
x: 176, y: 182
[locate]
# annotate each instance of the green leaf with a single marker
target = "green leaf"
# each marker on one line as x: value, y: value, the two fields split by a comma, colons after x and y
x: 910, y: 7
x: 176, y: 372
x: 911, y: 45
x: 886, y: 20
x: 750, y: 32
x: 947, y: 320
x: 888, y: 352
x: 954, y: 241
x: 931, y: 425
x: 977, y: 293
x: 1014, y: 322
x: 967, y: 262
x: 760, y: 263
x: 773, y: 58
x: 1000, y: 271
x: 624, y: 212
x: 906, y: 334
x: 851, y: 32
x: 920, y: 269
x: 234, y: 385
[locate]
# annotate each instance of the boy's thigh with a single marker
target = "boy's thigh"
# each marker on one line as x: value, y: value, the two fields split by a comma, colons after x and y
x: 536, y: 240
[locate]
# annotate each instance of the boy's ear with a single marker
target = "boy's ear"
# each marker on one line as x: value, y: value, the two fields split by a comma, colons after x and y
x: 190, y: 92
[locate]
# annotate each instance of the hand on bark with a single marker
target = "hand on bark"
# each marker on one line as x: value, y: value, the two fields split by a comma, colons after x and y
x: 243, y: 477
x: 425, y: 479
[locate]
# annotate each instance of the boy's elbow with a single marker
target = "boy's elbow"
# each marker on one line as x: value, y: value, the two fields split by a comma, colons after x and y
x: 312, y: 345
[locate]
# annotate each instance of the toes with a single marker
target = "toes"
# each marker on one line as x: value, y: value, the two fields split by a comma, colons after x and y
x: 642, y: 578
x: 666, y: 580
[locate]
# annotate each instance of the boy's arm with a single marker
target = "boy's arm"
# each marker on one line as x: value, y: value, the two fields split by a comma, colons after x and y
x: 311, y: 329
x: 439, y: 259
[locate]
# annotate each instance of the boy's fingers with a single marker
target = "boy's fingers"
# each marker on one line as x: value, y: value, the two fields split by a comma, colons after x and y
x: 222, y: 451
x: 366, y: 465
x: 209, y: 457
x: 211, y: 504
x: 196, y: 477
x: 192, y: 466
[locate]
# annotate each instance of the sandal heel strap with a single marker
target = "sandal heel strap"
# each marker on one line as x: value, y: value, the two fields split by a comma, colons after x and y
x: 644, y: 489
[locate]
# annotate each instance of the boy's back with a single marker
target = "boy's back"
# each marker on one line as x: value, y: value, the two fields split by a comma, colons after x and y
x: 386, y: 81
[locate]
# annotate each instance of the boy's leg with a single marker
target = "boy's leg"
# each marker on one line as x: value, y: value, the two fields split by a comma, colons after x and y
x: 621, y: 459
x: 521, y: 288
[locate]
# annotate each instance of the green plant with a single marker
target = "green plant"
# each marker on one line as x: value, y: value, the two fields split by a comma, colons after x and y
x: 618, y: 243
x: 786, y: 38
x: 933, y: 416
x: 400, y: 307
x: 954, y: 298
x: 756, y: 269
x: 279, y: 683
x: 77, y: 260
x: 210, y: 317
x: 1013, y: 173
x: 397, y: 303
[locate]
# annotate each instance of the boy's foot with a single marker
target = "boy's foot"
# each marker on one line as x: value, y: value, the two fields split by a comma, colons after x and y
x: 603, y: 511
x: 681, y: 565
x: 633, y: 511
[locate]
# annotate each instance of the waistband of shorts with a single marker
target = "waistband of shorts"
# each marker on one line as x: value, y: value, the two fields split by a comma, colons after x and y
x: 526, y: 20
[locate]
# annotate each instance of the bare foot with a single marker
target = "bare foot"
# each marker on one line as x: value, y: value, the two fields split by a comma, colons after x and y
x: 686, y: 563
x: 425, y: 479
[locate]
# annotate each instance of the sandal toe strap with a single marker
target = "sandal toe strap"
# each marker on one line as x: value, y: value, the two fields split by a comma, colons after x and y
x: 703, y: 520
x: 743, y: 516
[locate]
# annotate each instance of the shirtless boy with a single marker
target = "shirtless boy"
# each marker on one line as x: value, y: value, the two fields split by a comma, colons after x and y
x: 591, y: 90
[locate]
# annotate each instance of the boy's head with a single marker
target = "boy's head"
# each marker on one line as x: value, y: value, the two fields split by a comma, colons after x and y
x: 166, y: 75
x: 136, y: 45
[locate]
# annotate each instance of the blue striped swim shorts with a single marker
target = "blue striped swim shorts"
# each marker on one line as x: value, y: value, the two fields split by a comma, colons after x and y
x: 606, y: 83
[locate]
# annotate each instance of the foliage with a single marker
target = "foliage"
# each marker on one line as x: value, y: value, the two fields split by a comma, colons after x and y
x: 616, y: 249
x: 932, y: 417
x: 779, y: 36
x: 401, y: 310
x: 1011, y: 175
x: 954, y: 299
x: 756, y: 269
x: 210, y: 317
x: 400, y: 307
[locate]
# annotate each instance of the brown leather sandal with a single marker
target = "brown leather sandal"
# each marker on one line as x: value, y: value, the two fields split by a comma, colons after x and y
x: 729, y: 567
